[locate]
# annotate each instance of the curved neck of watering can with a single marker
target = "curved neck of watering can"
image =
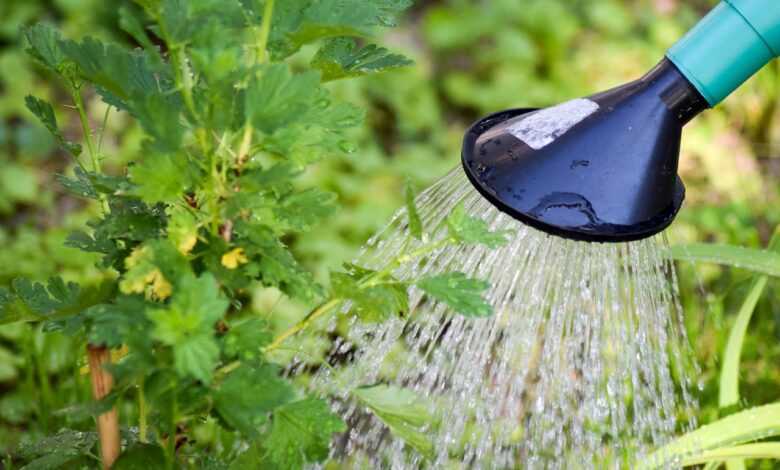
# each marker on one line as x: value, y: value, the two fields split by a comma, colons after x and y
x: 679, y: 95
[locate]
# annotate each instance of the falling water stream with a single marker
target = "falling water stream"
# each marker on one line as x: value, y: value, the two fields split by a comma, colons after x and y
x: 579, y: 367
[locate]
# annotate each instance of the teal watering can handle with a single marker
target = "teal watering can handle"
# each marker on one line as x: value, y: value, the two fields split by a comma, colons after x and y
x: 728, y: 46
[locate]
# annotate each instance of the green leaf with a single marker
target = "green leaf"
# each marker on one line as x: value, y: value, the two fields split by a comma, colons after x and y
x: 56, y: 449
x: 758, y: 261
x: 764, y: 450
x: 276, y: 179
x: 246, y: 338
x: 407, y: 415
x: 302, y: 210
x: 473, y: 230
x: 755, y: 423
x: 80, y: 186
x: 461, y: 293
x: 249, y: 394
x: 371, y: 303
x: 187, y: 325
x: 341, y: 58
x: 729, y: 372
x: 277, y: 98
x: 44, y: 111
x: 111, y: 325
x: 120, y: 74
x: 141, y: 457
x: 55, y: 296
x: 277, y: 266
x: 131, y: 24
x: 161, y: 178
x: 301, y: 432
x: 44, y: 45
x: 300, y: 22
x: 415, y: 224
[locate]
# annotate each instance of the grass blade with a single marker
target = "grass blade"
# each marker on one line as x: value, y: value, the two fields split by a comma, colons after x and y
x: 758, y: 261
x: 762, y: 450
x: 729, y: 373
x: 749, y: 425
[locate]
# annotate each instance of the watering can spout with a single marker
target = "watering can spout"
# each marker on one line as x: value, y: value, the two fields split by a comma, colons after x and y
x: 728, y: 46
x: 604, y: 168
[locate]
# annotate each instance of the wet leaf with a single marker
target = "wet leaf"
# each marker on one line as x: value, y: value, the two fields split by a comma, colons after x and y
x: 461, y: 293
x: 473, y: 230
x: 415, y: 224
x: 407, y: 415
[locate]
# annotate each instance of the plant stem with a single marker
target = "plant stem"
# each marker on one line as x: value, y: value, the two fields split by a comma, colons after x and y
x: 303, y: 324
x: 108, y: 422
x: 79, y: 101
x: 246, y: 144
x: 142, y: 424
x: 370, y: 281
x: 171, y: 444
x: 265, y: 31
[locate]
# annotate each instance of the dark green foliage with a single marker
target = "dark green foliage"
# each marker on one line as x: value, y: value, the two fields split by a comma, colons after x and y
x: 342, y: 58
x: 44, y: 111
x: 248, y: 394
x: 300, y: 433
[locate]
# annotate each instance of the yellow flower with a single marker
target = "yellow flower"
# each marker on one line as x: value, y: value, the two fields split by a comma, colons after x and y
x: 234, y: 258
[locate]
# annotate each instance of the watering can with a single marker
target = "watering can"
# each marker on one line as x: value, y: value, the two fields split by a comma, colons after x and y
x: 604, y: 168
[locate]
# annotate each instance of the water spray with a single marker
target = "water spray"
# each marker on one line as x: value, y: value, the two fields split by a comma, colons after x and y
x: 584, y: 362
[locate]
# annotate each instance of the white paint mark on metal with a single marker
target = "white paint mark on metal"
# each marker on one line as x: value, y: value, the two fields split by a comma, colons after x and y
x: 541, y: 128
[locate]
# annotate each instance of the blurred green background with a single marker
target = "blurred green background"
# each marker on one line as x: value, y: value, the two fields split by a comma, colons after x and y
x: 472, y: 57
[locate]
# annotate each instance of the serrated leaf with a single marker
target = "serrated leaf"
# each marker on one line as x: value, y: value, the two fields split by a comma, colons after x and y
x: 248, y: 394
x: 118, y: 72
x: 80, y: 186
x: 276, y: 179
x: 44, y: 111
x: 141, y: 456
x: 300, y: 22
x: 301, y: 432
x: 246, y: 338
x: 276, y: 266
x: 461, y: 293
x: 302, y: 210
x: 65, y: 443
x: 112, y: 324
x: 44, y: 45
x: 45, y: 300
x: 372, y: 303
x: 161, y: 178
x: 130, y: 22
x: 187, y: 325
x: 473, y: 230
x: 415, y: 224
x: 406, y: 415
x: 131, y: 81
x: 278, y: 98
x: 341, y: 58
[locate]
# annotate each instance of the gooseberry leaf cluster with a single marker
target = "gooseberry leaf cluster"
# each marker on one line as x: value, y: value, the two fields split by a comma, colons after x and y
x: 206, y: 209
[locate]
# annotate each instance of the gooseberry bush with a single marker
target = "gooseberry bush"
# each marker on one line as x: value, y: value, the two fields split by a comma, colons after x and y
x: 231, y: 118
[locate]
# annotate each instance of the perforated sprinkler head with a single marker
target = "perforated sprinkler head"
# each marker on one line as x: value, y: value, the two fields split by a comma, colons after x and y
x: 604, y: 168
